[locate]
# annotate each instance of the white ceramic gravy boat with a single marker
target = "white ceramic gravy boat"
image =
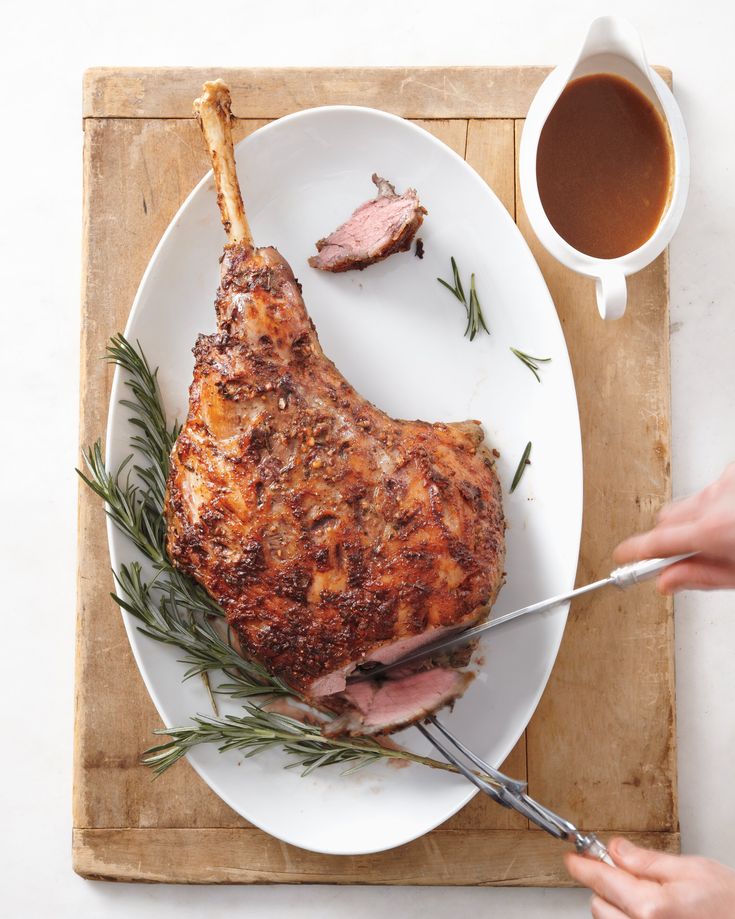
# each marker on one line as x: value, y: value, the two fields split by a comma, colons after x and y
x: 613, y: 46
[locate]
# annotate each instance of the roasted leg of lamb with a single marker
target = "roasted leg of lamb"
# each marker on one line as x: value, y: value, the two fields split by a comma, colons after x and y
x: 331, y: 534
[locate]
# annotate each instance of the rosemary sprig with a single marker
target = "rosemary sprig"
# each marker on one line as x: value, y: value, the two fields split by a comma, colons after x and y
x: 155, y: 439
x: 521, y: 467
x: 531, y: 362
x: 139, y: 516
x: 205, y: 648
x: 136, y: 507
x: 173, y: 609
x: 475, y: 319
x: 258, y: 730
x: 125, y: 503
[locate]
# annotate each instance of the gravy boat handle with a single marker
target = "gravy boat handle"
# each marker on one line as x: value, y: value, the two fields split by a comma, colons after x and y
x: 612, y: 294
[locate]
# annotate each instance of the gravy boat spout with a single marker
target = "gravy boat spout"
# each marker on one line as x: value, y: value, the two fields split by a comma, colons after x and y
x: 612, y: 46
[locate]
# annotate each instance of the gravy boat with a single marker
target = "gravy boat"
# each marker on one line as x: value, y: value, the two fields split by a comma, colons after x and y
x: 612, y: 46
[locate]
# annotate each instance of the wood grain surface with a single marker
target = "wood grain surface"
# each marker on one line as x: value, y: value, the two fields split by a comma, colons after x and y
x: 259, y: 92
x: 601, y: 747
x: 509, y: 858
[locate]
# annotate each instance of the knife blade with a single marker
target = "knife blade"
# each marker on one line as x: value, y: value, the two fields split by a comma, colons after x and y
x: 622, y: 578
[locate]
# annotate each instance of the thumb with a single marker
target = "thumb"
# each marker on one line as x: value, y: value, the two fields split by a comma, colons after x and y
x: 644, y: 863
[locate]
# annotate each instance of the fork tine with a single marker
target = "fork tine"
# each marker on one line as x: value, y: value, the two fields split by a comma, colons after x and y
x: 508, y: 794
x: 467, y: 773
x: 506, y: 780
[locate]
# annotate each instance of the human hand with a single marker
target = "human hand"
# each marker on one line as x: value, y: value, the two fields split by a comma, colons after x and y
x: 655, y: 885
x: 703, y: 523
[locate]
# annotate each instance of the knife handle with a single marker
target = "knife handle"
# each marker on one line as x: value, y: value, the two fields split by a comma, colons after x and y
x: 628, y: 575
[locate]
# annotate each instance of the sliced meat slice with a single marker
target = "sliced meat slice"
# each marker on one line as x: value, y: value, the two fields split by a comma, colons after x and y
x: 335, y: 682
x: 377, y: 229
x: 381, y: 707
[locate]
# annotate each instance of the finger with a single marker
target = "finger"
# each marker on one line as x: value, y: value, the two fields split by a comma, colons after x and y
x: 615, y: 885
x: 645, y: 863
x: 601, y: 909
x: 661, y: 541
x: 679, y: 511
x: 696, y: 574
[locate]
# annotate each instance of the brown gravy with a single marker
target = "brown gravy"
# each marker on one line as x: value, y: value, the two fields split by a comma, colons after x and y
x: 604, y: 166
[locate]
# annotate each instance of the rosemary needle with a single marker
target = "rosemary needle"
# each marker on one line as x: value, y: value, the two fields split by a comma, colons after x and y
x: 475, y: 319
x: 530, y: 361
x: 521, y: 467
x: 457, y: 281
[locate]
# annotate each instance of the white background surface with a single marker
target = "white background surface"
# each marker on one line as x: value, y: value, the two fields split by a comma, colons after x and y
x: 44, y: 48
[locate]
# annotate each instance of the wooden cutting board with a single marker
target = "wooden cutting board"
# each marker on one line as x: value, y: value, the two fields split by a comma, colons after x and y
x: 601, y: 746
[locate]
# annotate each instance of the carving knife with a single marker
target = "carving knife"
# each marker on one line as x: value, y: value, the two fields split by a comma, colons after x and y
x: 622, y: 578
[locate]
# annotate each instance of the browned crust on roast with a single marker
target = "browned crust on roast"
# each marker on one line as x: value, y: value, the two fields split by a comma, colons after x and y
x: 323, y: 527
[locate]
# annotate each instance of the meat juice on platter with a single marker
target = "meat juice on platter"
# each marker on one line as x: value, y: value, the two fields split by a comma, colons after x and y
x: 604, y: 166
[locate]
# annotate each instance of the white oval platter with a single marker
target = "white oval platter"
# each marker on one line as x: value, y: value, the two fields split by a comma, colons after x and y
x: 396, y: 334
